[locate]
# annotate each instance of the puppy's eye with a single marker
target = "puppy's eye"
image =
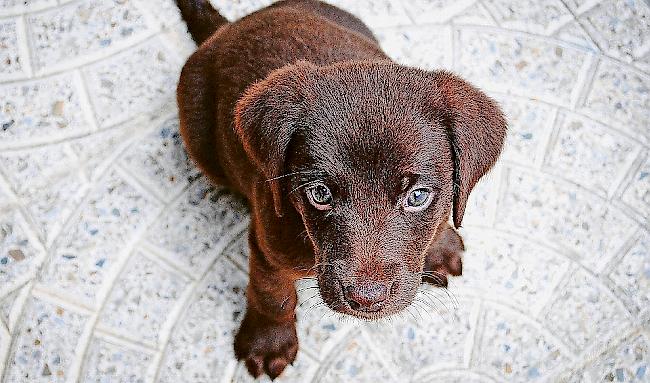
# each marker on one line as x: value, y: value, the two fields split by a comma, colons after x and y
x: 320, y: 196
x: 418, y: 199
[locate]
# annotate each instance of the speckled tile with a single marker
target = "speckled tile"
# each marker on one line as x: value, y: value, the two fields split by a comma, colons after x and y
x: 141, y: 299
x: 425, y: 340
x: 20, y: 252
x: 569, y: 217
x: 10, y: 60
x: 354, y: 361
x: 11, y: 306
x: 50, y: 179
x: 583, y: 313
x: 97, y: 151
x: 507, y: 269
x: 529, y: 126
x: 529, y: 15
x: 437, y: 11
x: 45, y: 346
x: 22, y: 6
x: 376, y: 14
x: 159, y: 159
x: 621, y: 97
x: 79, y: 29
x: 40, y: 110
x: 192, y: 230
x: 573, y: 33
x: 236, y: 9
x: 200, y: 348
x: 632, y: 274
x: 636, y: 193
x: 513, y: 349
x: 519, y: 64
x: 476, y: 14
x: 96, y: 237
x: 590, y: 154
x: 627, y: 362
x: 108, y: 361
x: 479, y: 209
x: 423, y: 47
x: 118, y: 91
x: 622, y: 28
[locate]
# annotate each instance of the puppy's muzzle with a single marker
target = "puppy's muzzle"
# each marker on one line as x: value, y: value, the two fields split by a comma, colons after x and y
x: 368, y: 296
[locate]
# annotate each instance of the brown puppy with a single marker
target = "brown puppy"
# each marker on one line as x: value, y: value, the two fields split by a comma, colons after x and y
x: 352, y: 164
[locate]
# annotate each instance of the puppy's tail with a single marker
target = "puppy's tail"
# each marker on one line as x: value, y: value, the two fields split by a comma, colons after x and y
x: 201, y: 18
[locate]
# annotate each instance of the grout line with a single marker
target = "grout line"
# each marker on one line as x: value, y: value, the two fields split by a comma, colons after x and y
x: 24, y: 52
x: 473, y: 341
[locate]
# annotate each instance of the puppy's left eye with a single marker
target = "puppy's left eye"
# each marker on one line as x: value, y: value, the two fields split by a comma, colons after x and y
x: 418, y: 199
x: 320, y: 196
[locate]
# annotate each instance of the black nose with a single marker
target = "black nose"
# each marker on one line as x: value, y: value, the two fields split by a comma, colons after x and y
x: 367, y: 296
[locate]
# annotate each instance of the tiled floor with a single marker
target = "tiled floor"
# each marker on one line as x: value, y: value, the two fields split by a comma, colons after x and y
x: 118, y: 263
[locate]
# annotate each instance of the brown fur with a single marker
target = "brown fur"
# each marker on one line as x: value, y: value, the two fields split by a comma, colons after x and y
x: 300, y: 93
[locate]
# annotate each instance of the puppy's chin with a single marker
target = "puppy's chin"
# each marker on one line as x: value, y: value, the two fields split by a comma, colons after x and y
x: 401, y: 297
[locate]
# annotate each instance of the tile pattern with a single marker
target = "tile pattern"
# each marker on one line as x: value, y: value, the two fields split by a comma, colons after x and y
x: 119, y: 262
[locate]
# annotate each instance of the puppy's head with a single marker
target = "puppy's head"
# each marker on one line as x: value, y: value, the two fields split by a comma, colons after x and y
x: 374, y: 157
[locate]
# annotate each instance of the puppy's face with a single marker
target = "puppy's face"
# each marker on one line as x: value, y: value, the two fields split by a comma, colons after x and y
x: 373, y: 157
x: 372, y: 186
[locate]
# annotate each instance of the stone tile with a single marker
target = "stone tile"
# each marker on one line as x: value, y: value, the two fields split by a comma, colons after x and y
x: 40, y: 110
x: 354, y: 361
x: 98, y: 151
x: 49, y: 184
x: 513, y: 349
x: 118, y: 91
x: 437, y: 341
x: 437, y: 11
x: 12, y: 304
x: 426, y: 47
x: 479, y: 209
x: 590, y: 154
x: 579, y: 6
x: 508, y: 269
x: 10, y: 7
x: 632, y: 274
x: 529, y: 15
x: 89, y: 248
x: 627, y: 362
x: 565, y: 215
x: 108, y: 361
x: 193, y: 231
x: 200, y: 347
x: 165, y: 12
x: 622, y: 28
x: 637, y: 191
x: 45, y: 345
x: 376, y: 14
x: 141, y: 299
x: 620, y: 96
x: 238, y: 251
x: 519, y: 64
x: 529, y: 126
x: 80, y: 29
x: 159, y: 159
x: 573, y: 33
x: 319, y: 328
x: 583, y: 313
x: 236, y: 9
x: 475, y: 14
x: 10, y: 61
x: 20, y: 253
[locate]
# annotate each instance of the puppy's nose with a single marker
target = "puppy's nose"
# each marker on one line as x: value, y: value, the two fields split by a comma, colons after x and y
x: 368, y: 296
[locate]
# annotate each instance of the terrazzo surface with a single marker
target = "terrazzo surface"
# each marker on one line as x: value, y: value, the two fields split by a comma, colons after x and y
x: 120, y: 263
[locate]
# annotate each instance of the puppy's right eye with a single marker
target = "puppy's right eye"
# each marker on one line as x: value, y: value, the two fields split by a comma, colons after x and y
x: 320, y: 196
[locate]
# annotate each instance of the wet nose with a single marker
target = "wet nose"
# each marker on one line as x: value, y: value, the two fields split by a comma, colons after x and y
x: 368, y: 296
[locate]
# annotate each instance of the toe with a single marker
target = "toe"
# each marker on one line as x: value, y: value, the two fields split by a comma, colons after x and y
x: 275, y: 366
x: 255, y: 365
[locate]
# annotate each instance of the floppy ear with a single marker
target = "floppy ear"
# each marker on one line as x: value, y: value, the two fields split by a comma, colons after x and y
x: 266, y: 117
x: 476, y: 130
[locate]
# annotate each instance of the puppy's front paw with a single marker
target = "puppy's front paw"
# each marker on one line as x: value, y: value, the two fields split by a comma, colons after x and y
x: 444, y: 258
x: 266, y: 347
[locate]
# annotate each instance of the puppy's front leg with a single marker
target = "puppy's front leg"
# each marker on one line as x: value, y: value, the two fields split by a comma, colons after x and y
x: 444, y: 257
x: 267, y: 339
